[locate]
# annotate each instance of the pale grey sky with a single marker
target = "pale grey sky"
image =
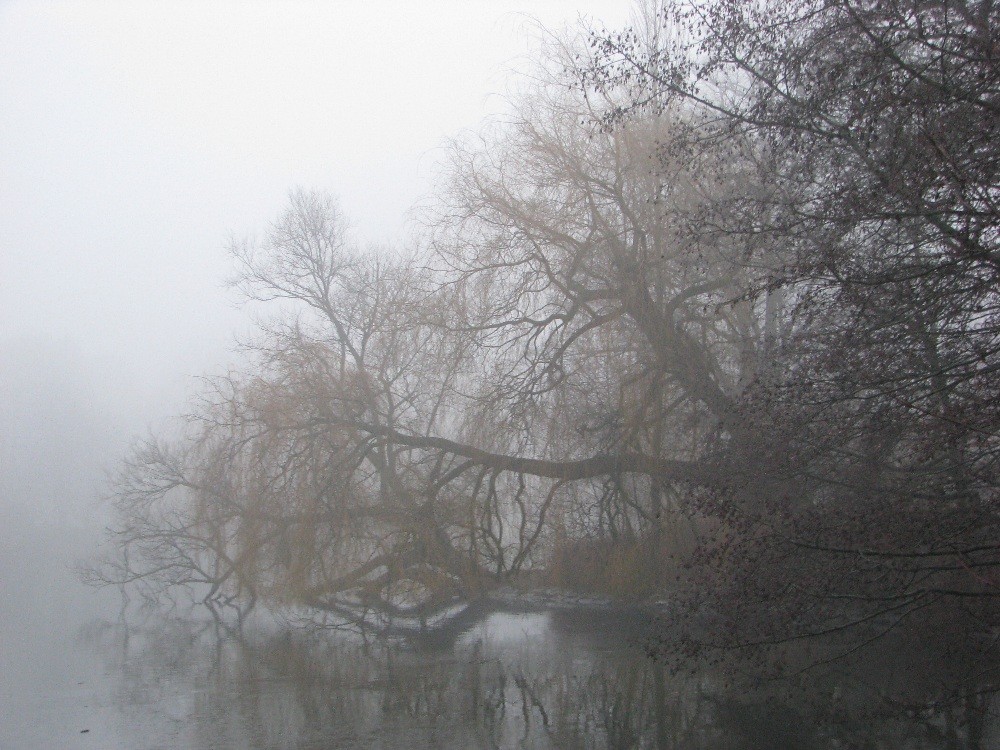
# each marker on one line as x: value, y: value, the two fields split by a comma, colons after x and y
x: 135, y: 137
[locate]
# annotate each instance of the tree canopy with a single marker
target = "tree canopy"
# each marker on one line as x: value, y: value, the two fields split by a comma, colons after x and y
x: 711, y: 317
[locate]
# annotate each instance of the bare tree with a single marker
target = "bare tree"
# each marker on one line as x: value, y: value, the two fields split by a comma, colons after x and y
x: 869, y: 134
x: 732, y: 298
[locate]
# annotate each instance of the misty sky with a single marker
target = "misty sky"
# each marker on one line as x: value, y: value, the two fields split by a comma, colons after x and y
x: 136, y: 137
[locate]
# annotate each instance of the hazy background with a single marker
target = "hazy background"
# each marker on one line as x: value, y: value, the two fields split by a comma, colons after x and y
x: 134, y: 139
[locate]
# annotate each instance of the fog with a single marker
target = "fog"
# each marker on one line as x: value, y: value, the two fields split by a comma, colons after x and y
x: 554, y: 374
x: 135, y: 140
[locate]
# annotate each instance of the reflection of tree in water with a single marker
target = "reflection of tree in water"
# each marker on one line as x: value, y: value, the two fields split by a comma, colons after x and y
x: 559, y: 686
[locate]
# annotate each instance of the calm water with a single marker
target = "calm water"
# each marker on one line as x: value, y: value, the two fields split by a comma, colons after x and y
x: 546, y: 678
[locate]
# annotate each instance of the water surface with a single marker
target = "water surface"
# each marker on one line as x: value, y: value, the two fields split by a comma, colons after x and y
x: 544, y: 678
